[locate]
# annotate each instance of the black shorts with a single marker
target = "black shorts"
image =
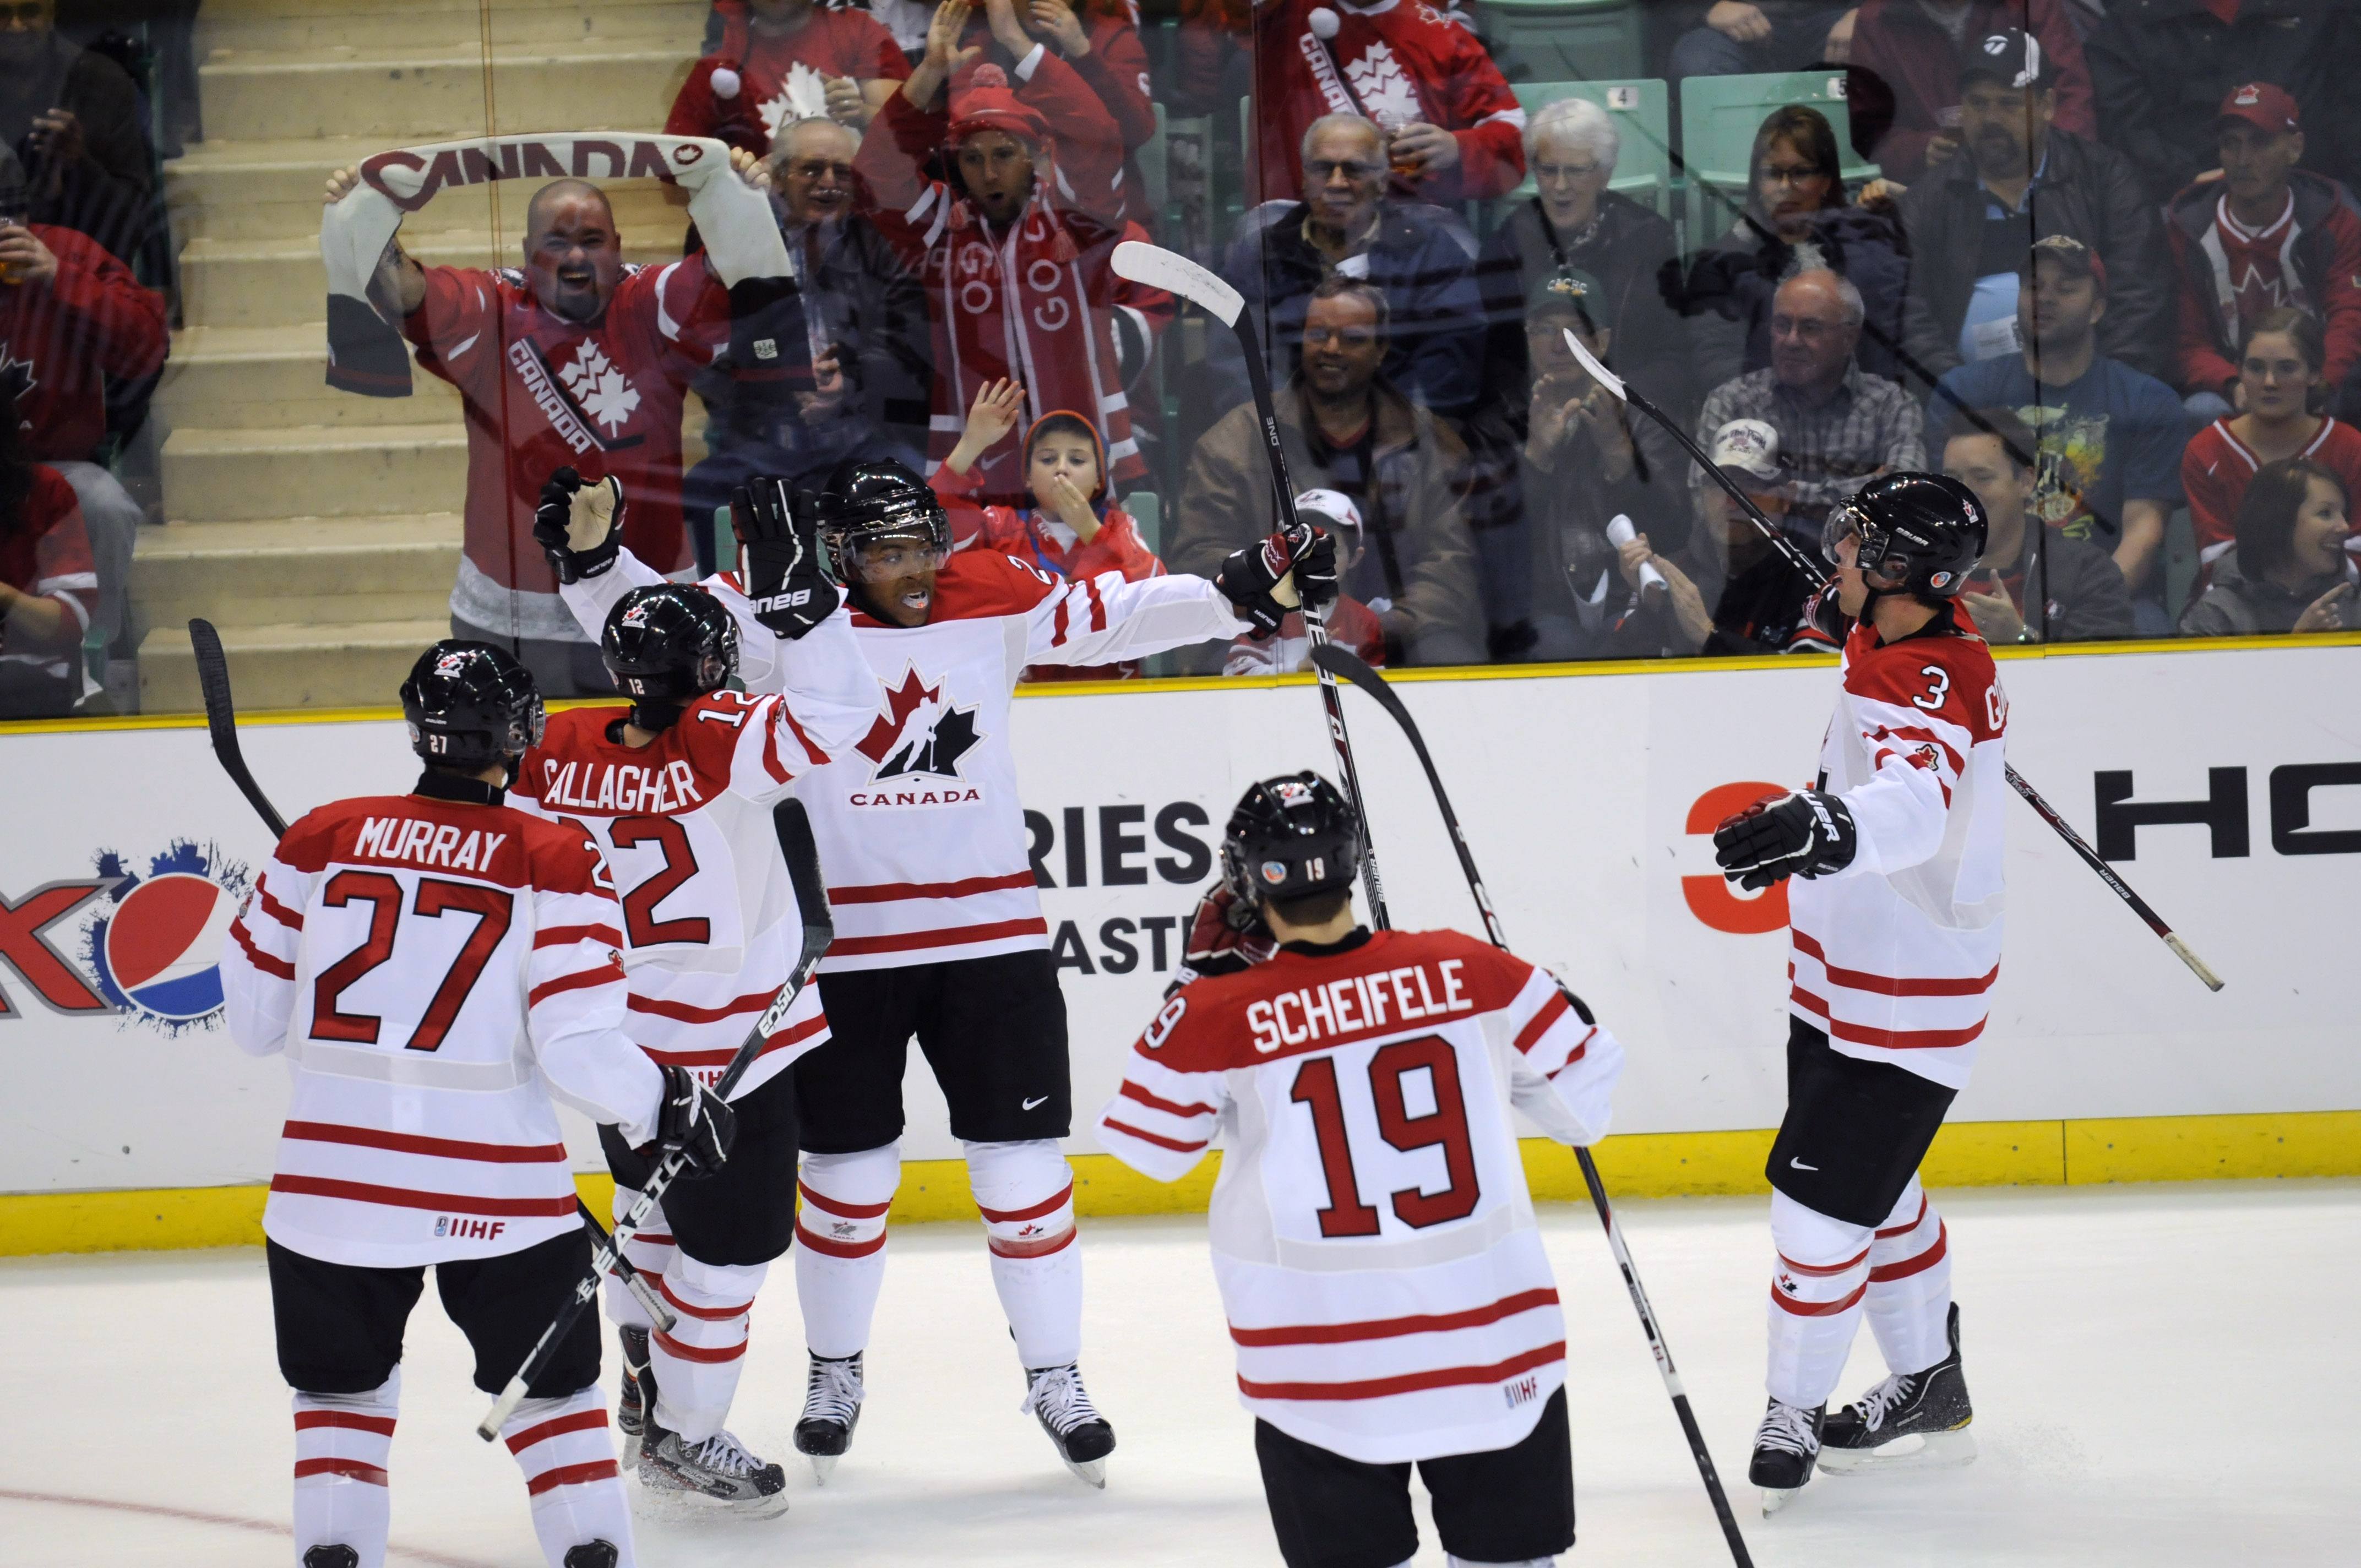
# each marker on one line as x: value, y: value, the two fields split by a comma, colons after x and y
x: 1854, y: 1130
x: 340, y: 1325
x: 1505, y: 1506
x: 993, y: 1030
x: 743, y: 1213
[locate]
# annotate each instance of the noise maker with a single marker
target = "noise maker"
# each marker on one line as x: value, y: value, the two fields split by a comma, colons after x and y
x: 725, y: 83
x: 1324, y: 23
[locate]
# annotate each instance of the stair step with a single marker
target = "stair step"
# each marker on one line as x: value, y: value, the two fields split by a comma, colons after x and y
x: 361, y: 665
x: 314, y: 570
x: 314, y: 471
x: 317, y: 24
x: 421, y: 94
x: 275, y: 377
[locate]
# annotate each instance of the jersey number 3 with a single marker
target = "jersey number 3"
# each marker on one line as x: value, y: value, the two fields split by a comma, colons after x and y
x: 1445, y: 1127
x: 493, y: 909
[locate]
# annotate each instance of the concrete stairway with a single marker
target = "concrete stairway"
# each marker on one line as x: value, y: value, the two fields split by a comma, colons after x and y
x: 320, y: 530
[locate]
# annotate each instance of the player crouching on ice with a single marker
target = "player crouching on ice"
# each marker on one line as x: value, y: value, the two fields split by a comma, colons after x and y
x: 437, y: 967
x: 1896, y: 938
x: 1372, y: 1234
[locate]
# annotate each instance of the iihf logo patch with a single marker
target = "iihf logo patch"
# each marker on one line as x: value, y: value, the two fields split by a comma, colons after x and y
x: 155, y: 946
x: 1274, y: 872
x: 442, y: 1225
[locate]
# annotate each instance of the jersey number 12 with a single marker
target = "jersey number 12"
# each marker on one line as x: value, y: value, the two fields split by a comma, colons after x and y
x: 1445, y: 1127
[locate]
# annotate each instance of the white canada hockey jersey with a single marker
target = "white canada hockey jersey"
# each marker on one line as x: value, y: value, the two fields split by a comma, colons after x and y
x: 1896, y: 955
x: 434, y: 970
x: 710, y: 925
x: 919, y: 826
x: 1372, y: 1233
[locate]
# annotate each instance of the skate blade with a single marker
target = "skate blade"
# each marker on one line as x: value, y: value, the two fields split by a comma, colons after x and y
x: 1929, y: 1451
x: 1090, y: 1470
x: 1777, y: 1498
x: 663, y: 1498
x: 823, y: 1465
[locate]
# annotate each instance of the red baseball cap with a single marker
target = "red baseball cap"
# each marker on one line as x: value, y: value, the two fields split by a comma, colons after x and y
x: 2268, y: 108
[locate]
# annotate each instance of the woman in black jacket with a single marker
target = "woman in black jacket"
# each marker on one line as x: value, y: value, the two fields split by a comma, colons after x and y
x: 2289, y: 571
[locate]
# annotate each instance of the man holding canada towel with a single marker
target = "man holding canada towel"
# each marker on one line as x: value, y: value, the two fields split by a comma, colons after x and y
x: 1895, y: 927
x: 939, y: 927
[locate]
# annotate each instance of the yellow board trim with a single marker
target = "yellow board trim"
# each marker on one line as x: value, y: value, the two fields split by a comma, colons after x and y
x: 1643, y: 1164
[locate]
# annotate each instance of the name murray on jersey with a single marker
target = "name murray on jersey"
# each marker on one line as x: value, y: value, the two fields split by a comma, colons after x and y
x: 425, y: 843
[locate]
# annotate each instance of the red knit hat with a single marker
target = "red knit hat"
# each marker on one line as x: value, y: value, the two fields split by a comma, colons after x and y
x: 985, y: 102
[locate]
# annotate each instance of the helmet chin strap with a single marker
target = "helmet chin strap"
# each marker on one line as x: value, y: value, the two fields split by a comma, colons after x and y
x: 655, y: 715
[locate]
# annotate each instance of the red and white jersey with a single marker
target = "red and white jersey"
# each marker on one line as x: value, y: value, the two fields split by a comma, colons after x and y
x: 47, y: 556
x: 1896, y: 955
x: 846, y: 42
x: 919, y: 826
x: 434, y: 969
x: 1372, y: 1234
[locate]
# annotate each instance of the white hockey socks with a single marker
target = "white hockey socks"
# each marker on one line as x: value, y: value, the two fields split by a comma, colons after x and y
x: 651, y: 1252
x: 840, y: 1245
x: 1026, y: 1192
x: 569, y: 1472
x: 1816, y: 1296
x: 696, y: 1365
x: 342, y: 1442
x: 1910, y: 1283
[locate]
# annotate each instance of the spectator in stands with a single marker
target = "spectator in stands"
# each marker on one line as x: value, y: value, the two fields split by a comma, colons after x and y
x: 2265, y: 234
x: 2034, y: 584
x: 2108, y: 468
x: 1013, y: 257
x: 1736, y: 37
x: 783, y: 60
x: 48, y: 586
x: 1099, y: 39
x: 1915, y: 47
x: 1450, y: 124
x: 865, y: 320
x: 1796, y: 219
x: 2161, y: 66
x: 2289, y: 570
x: 1838, y: 427
x: 2280, y: 390
x: 71, y: 316
x: 1351, y: 623
x: 72, y: 116
x: 1575, y: 223
x: 1971, y: 221
x: 1346, y: 429
x: 1350, y: 228
x: 580, y: 362
x: 1211, y: 68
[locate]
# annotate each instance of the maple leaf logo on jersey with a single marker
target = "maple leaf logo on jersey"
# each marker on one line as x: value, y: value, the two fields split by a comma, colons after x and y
x: 17, y: 379
x: 599, y: 387
x: 1386, y: 94
x: 919, y: 734
x: 803, y: 97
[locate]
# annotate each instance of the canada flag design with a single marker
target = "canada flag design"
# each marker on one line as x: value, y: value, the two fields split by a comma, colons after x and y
x: 919, y: 739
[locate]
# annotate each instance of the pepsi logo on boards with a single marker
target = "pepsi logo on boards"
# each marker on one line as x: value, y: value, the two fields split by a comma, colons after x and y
x: 153, y: 945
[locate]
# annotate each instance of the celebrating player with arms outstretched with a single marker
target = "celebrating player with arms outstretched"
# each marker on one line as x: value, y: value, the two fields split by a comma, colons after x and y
x: 437, y: 967
x: 676, y: 791
x: 1372, y: 1233
x: 1896, y: 942
x: 939, y: 931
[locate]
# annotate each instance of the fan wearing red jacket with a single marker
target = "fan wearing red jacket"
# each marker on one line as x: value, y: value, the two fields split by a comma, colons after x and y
x: 1013, y: 257
x: 845, y: 56
x: 47, y: 586
x: 1099, y: 39
x: 1454, y: 131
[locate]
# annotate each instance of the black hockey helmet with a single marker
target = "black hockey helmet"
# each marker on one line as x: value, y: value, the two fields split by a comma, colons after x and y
x: 1291, y: 837
x: 870, y: 501
x: 470, y: 705
x: 667, y: 644
x: 1926, y: 529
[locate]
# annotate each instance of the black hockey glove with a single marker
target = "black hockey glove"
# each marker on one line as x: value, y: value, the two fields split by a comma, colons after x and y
x: 579, y: 526
x: 1807, y: 834
x: 696, y: 1121
x: 1822, y: 615
x: 1226, y: 934
x: 1249, y: 578
x: 789, y: 579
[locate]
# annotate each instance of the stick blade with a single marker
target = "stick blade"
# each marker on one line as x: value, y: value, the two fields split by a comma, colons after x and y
x: 1140, y: 262
x: 1347, y: 665
x: 1598, y: 373
x: 213, y: 681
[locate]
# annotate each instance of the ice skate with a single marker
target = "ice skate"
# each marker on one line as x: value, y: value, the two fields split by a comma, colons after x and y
x: 1917, y: 1419
x: 1784, y: 1447
x: 832, y: 1396
x: 718, y: 1467
x: 593, y: 1554
x: 1056, y: 1398
x: 332, y: 1557
x: 631, y: 1404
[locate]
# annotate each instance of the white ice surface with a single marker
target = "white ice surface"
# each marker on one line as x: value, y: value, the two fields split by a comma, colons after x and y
x: 2163, y: 1376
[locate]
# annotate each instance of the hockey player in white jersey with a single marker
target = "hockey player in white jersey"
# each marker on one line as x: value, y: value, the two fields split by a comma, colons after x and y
x: 1372, y: 1233
x: 676, y: 790
x: 1895, y: 939
x: 437, y: 967
x: 939, y: 931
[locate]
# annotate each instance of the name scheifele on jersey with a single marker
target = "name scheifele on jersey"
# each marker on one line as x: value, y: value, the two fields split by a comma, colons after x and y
x: 1358, y: 1004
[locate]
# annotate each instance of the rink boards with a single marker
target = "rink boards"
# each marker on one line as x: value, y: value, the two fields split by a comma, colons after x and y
x: 2225, y: 784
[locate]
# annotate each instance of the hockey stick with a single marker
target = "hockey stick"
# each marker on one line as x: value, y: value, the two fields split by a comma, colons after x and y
x: 1342, y: 661
x: 1139, y: 262
x: 221, y: 718
x: 1795, y: 557
x: 794, y: 834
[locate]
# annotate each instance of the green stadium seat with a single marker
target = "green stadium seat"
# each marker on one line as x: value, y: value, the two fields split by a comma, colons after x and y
x: 1720, y: 115
x: 1563, y: 40
x: 1643, y: 168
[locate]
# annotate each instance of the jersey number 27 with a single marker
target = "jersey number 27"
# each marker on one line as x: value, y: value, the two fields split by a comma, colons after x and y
x: 1445, y: 1127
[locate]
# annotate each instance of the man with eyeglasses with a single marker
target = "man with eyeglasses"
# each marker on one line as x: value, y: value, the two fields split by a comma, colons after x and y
x: 73, y: 118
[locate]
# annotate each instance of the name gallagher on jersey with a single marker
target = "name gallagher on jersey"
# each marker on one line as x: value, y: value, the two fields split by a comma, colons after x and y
x: 627, y: 789
x: 1328, y: 1010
